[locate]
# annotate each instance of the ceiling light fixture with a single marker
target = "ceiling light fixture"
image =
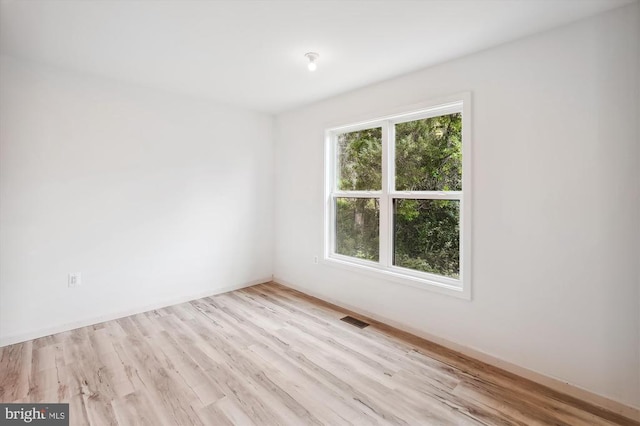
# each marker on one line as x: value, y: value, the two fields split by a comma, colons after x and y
x: 312, y: 57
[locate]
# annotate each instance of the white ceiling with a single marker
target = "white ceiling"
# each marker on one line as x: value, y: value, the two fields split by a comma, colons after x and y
x: 250, y: 53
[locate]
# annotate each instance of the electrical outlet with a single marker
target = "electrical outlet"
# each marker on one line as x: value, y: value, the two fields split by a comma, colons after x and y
x: 75, y: 279
x: 315, y: 259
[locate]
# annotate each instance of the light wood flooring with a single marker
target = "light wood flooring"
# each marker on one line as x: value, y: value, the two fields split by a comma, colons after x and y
x: 269, y: 355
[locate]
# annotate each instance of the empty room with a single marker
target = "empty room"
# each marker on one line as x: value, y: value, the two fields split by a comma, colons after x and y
x: 352, y: 212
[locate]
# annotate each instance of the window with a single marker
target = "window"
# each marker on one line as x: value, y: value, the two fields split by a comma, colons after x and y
x: 398, y: 196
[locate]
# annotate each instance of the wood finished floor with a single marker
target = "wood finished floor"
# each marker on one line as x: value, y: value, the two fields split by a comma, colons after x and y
x: 268, y: 355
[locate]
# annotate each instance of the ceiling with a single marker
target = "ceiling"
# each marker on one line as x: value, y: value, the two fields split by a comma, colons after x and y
x: 251, y: 53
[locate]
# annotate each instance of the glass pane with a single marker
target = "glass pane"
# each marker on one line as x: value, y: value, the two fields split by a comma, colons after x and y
x: 429, y: 154
x: 426, y: 235
x: 357, y: 227
x: 360, y: 160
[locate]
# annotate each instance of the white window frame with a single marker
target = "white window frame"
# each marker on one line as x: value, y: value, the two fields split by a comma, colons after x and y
x: 385, y: 269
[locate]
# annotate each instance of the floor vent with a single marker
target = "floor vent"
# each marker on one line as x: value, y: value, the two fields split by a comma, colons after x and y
x: 355, y: 322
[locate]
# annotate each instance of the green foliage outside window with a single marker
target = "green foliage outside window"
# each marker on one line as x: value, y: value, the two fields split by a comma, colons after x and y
x: 357, y: 227
x: 428, y: 157
x: 360, y: 160
x: 429, y: 154
x: 426, y: 236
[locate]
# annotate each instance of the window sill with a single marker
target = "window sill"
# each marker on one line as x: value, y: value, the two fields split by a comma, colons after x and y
x: 400, y: 278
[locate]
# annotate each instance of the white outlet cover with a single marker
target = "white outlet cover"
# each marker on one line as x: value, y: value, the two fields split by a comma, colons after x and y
x: 75, y: 279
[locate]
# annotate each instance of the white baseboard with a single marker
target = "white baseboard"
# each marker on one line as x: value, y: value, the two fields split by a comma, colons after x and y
x: 23, y: 337
x: 558, y: 385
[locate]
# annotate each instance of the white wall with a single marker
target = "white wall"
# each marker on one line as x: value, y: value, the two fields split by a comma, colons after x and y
x: 155, y: 198
x: 555, y: 251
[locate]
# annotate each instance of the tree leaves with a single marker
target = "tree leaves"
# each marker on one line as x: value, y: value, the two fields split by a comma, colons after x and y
x: 428, y: 154
x: 426, y: 235
x: 428, y: 157
x: 360, y: 160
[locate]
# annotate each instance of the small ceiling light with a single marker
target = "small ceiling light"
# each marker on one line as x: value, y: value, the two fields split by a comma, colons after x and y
x: 312, y: 57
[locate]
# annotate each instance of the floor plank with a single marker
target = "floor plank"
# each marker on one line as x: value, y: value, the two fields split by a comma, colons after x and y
x: 269, y: 355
